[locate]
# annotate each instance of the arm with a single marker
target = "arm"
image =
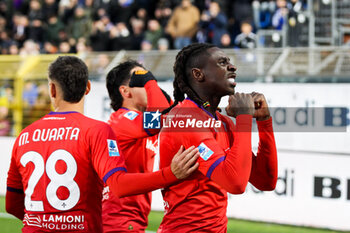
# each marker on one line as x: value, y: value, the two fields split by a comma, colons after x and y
x: 15, y: 202
x: 231, y: 168
x: 264, y: 168
x: 14, y: 193
x: 156, y: 99
x: 126, y: 184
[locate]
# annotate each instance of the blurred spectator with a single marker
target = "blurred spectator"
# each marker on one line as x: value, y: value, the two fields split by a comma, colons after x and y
x: 30, y: 93
x: 280, y: 16
x: 142, y: 14
x: 35, y: 11
x: 35, y: 25
x: 36, y: 31
x: 163, y: 12
x: 80, y: 25
x: 6, y: 12
x: 213, y: 24
x: 182, y: 25
x: 247, y: 39
x: 66, y: 10
x: 13, y: 49
x: 81, y: 47
x: 50, y: 8
x: 163, y: 44
x: 100, y: 33
x: 238, y: 12
x: 296, y: 20
x: 146, y: 45
x: 225, y: 41
x: 138, y: 35
x: 263, y: 13
x: 64, y: 47
x: 120, y: 37
x: 20, y: 28
x: 121, y: 10
x: 49, y: 48
x: 153, y: 33
x: 30, y: 47
x: 53, y: 29
x: 5, y: 42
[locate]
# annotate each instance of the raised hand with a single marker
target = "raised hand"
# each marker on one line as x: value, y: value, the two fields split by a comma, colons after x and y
x: 261, y: 108
x: 140, y: 77
x: 240, y: 103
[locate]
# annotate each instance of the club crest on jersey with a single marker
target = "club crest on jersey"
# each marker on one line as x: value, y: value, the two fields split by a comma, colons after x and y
x: 131, y: 115
x: 204, y: 151
x: 112, y: 148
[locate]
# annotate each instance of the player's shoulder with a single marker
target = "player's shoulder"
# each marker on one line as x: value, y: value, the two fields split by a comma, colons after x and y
x: 185, y: 106
x: 124, y: 116
x: 92, y: 123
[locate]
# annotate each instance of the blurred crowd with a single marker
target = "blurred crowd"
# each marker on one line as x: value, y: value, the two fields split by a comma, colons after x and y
x: 64, y: 26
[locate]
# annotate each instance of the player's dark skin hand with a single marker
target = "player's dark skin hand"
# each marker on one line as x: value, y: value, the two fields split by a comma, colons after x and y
x: 240, y: 103
x: 262, y: 112
x: 184, y: 162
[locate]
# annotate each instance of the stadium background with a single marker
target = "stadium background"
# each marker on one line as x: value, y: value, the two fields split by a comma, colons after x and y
x: 304, y: 72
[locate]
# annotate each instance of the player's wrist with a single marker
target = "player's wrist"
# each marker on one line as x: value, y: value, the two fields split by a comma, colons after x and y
x: 264, y: 118
x: 169, y: 175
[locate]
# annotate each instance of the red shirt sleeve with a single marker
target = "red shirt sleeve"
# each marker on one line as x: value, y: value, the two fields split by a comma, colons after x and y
x: 126, y: 184
x: 264, y: 166
x: 105, y: 154
x: 14, y: 193
x: 155, y: 97
x: 229, y: 168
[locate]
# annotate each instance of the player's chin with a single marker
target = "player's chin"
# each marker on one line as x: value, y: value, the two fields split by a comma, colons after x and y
x: 231, y: 90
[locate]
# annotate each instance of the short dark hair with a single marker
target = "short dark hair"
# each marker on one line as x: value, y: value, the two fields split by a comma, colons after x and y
x: 189, y: 57
x: 72, y: 75
x: 118, y: 76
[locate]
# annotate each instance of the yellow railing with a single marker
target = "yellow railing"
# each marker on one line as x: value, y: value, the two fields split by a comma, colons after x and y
x: 19, y: 69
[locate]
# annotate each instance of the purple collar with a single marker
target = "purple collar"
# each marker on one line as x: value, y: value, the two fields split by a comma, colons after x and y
x: 56, y: 113
x: 203, y: 109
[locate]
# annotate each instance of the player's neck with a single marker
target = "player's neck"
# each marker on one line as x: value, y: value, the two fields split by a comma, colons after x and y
x: 132, y: 106
x: 70, y: 107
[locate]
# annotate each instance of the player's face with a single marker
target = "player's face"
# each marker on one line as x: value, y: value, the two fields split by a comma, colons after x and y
x: 219, y: 73
x: 139, y: 94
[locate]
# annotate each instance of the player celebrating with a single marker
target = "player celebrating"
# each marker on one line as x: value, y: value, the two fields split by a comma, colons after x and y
x: 226, y: 164
x: 132, y: 90
x: 58, y: 163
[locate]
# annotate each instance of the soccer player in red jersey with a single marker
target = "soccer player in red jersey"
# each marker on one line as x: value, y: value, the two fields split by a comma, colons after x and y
x: 226, y: 164
x: 60, y: 162
x: 132, y: 91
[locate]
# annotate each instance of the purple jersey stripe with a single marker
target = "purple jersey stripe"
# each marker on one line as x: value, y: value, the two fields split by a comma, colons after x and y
x: 214, y: 165
x: 54, y: 113
x: 111, y: 172
x: 14, y: 190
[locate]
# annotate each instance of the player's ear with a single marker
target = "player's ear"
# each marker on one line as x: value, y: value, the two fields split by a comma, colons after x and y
x: 52, y: 90
x: 125, y: 91
x: 88, y: 87
x: 197, y: 74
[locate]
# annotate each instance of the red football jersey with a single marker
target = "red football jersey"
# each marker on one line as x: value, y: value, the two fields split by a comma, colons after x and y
x: 199, y: 203
x: 138, y: 146
x: 59, y: 162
